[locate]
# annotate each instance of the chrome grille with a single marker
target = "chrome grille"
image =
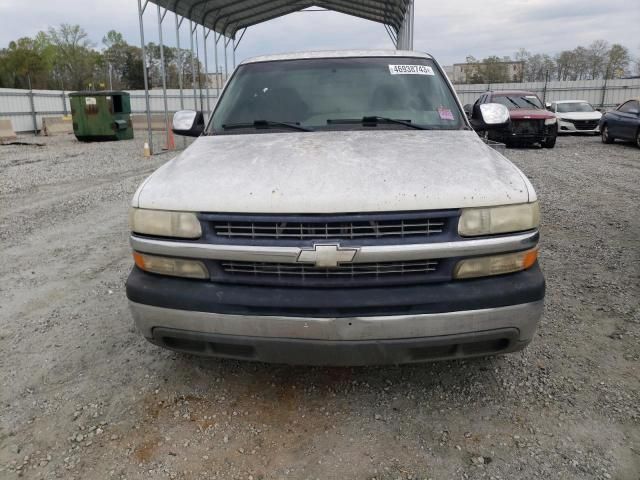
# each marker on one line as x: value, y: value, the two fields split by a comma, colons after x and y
x: 351, y: 270
x: 347, y: 230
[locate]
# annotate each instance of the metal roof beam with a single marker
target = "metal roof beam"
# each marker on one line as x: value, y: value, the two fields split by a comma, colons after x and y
x: 353, y: 10
x: 376, y: 5
x: 193, y: 6
x: 234, y: 3
x: 229, y: 16
x: 364, y: 12
x: 262, y: 15
x: 241, y: 25
x: 237, y: 44
x: 219, y: 8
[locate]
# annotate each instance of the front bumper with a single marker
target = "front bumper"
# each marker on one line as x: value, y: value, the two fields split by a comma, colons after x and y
x: 427, y: 337
x: 358, y: 326
x: 569, y: 127
x: 515, y: 138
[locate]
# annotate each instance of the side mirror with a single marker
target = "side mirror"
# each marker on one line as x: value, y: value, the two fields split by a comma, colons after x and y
x: 188, y: 123
x: 468, y: 109
x: 548, y: 106
x: 490, y: 116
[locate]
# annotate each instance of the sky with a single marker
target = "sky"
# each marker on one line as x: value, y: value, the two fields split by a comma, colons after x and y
x: 450, y: 30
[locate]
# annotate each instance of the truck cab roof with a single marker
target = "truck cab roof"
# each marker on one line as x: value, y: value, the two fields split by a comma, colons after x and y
x: 336, y: 54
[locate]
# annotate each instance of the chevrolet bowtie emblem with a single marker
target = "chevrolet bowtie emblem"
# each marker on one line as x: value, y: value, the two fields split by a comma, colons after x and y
x: 327, y: 256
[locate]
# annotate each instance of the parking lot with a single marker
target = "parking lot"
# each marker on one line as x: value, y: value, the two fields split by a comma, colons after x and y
x: 83, y: 396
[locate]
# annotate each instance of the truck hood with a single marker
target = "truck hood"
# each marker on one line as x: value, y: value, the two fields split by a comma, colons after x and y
x: 335, y: 172
x: 526, y: 114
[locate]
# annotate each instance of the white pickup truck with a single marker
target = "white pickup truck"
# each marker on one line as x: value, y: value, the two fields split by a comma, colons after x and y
x: 337, y: 209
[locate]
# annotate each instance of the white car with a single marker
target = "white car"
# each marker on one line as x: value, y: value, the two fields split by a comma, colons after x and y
x: 575, y: 116
x: 337, y: 209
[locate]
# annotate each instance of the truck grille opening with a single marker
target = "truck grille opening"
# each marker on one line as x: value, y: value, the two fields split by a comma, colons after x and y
x: 423, y: 227
x: 527, y: 127
x: 347, y: 271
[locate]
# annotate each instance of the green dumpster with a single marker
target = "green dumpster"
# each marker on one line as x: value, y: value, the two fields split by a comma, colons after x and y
x: 100, y: 116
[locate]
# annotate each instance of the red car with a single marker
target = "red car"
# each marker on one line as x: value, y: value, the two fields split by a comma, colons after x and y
x: 530, y: 123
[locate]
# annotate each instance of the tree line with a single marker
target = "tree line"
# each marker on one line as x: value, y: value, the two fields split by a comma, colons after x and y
x: 64, y: 58
x: 598, y: 60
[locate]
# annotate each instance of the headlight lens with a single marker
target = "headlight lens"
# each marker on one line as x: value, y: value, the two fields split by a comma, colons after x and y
x: 164, y: 224
x: 495, y: 264
x: 175, y: 267
x: 494, y: 220
x: 550, y: 121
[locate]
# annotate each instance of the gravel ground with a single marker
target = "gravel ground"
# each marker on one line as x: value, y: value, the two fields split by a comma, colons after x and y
x: 82, y: 396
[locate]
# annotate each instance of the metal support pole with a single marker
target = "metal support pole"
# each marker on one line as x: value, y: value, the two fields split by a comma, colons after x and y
x: 180, y: 72
x: 33, y: 108
x: 604, y: 89
x: 193, y: 68
x: 405, y: 34
x: 146, y: 79
x: 413, y: 17
x: 63, y: 96
x: 205, y: 35
x: 216, y: 38
x: 181, y: 64
x: 199, y: 71
x: 164, y: 81
x: 226, y: 64
x: 236, y: 44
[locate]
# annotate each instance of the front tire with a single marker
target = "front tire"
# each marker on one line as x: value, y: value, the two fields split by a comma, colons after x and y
x: 638, y: 138
x: 606, y: 138
x: 550, y: 142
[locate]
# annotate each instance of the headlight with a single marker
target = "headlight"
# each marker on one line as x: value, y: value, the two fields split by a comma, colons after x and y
x: 550, y: 121
x: 503, y: 219
x: 175, y: 267
x: 164, y: 224
x: 495, y: 264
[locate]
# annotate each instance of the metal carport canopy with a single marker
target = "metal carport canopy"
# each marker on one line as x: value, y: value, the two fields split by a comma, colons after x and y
x: 227, y: 17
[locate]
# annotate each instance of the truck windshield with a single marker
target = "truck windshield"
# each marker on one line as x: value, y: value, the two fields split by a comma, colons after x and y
x: 518, y: 101
x: 336, y: 94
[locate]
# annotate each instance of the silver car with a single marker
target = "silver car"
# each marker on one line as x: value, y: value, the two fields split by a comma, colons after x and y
x: 337, y: 208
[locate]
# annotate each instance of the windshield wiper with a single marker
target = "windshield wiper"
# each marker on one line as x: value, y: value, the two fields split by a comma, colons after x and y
x: 375, y: 120
x: 530, y: 102
x: 513, y: 101
x: 266, y: 124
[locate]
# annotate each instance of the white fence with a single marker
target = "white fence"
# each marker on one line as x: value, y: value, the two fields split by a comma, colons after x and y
x: 600, y: 93
x: 26, y: 108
